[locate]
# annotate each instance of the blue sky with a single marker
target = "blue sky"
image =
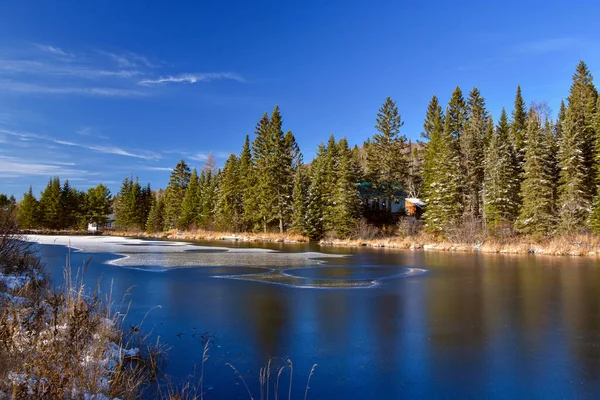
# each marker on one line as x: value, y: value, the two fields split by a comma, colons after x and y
x: 96, y: 91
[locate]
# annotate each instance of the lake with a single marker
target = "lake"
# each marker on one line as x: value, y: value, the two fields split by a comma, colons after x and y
x: 380, y: 324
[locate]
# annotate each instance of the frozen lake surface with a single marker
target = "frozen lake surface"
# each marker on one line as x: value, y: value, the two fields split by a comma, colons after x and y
x: 381, y: 324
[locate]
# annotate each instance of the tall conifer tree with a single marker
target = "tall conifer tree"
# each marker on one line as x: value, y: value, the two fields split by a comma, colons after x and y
x: 386, y: 156
x: 575, y: 156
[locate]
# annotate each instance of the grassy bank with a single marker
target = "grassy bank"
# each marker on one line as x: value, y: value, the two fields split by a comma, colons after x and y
x: 577, y: 245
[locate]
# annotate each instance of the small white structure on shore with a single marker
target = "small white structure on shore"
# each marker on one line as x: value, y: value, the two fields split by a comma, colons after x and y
x: 92, y: 227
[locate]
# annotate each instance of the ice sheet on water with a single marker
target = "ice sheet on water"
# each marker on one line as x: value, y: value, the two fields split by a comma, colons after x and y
x: 162, y: 254
x: 263, y: 265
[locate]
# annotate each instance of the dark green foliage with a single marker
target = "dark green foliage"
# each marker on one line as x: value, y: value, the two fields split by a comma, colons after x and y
x: 314, y: 204
x: 175, y: 192
x: 346, y: 200
x: 299, y: 200
x: 28, y: 213
x: 98, y: 205
x: 230, y: 205
x: 386, y: 153
x: 132, y: 205
x: 536, y: 217
x: 155, y: 221
x: 501, y: 184
x: 472, y: 144
x: 189, y: 208
x: 576, y: 182
x: 207, y: 198
x: 441, y: 167
x: 51, y: 206
x: 518, y: 126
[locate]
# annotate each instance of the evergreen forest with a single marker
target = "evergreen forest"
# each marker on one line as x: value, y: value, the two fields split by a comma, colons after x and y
x: 524, y: 172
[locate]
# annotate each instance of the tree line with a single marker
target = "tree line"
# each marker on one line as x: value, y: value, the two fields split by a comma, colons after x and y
x: 522, y: 174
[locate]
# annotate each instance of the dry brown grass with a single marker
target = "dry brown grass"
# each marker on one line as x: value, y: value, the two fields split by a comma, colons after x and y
x: 63, y: 344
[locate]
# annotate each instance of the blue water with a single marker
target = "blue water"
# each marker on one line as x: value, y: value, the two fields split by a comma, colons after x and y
x: 471, y: 326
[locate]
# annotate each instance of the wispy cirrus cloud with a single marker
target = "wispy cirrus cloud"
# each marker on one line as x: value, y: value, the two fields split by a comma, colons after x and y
x: 115, y: 150
x: 115, y: 74
x: 53, y: 50
x: 33, y: 88
x: 11, y: 167
x: 128, y: 59
x: 165, y: 169
x: 193, y: 78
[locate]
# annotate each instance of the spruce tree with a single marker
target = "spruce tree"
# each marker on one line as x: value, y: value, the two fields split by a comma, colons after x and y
x: 299, y: 199
x: 175, y: 192
x: 472, y: 144
x: 263, y: 193
x: 229, y: 206
x: 28, y: 211
x: 386, y: 156
x: 455, y: 122
x: 575, y: 156
x: 155, y: 221
x: 69, y: 205
x: 518, y: 127
x: 595, y: 217
x: 246, y: 179
x: 330, y: 177
x: 501, y: 183
x: 346, y: 198
x: 98, y: 205
x: 51, y: 206
x: 536, y: 216
x: 189, y: 207
x: 207, y: 189
x: 441, y: 171
x: 314, y: 204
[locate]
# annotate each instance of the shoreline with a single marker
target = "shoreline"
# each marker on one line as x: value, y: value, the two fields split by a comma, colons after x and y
x: 576, y: 246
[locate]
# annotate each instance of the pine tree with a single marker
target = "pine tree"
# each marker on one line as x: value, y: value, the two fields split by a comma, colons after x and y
x: 330, y: 177
x: 441, y: 171
x: 28, y: 212
x: 346, y: 208
x: 98, y: 204
x: 70, y: 206
x: 122, y: 204
x: 50, y: 205
x: 207, y: 197
x: 189, y: 207
x: 472, y: 151
x: 155, y: 221
x: 229, y: 206
x: 576, y: 188
x: 501, y: 184
x: 263, y: 193
x: 386, y: 156
x: 299, y: 199
x: 455, y: 122
x: 246, y: 181
x: 175, y: 192
x: 595, y: 217
x: 536, y: 216
x: 518, y: 126
x: 314, y: 204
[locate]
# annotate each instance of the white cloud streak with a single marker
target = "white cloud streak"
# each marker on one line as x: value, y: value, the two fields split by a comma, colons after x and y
x: 53, y: 50
x: 193, y: 78
x: 13, y: 168
x: 21, y: 87
x: 99, y: 149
